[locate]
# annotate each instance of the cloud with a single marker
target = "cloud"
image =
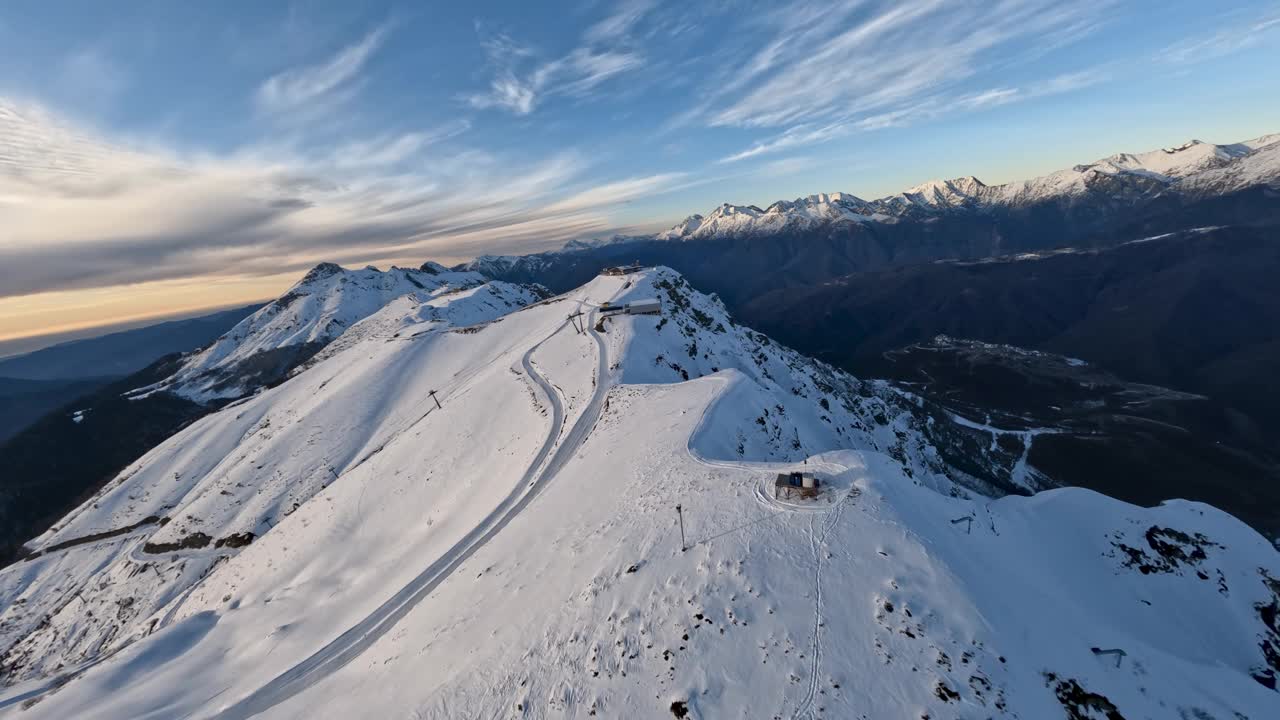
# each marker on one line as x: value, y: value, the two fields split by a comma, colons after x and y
x: 846, y: 59
x: 575, y: 75
x: 508, y: 93
x: 789, y: 166
x: 298, y: 87
x: 1070, y: 82
x: 616, y: 192
x: 797, y: 136
x: 619, y: 23
x: 926, y: 108
x: 520, y: 83
x: 1225, y: 41
x: 390, y: 150
x: 987, y: 98
x: 84, y: 211
x: 584, y: 69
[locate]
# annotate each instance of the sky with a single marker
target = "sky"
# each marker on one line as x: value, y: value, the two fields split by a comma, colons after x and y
x: 159, y: 158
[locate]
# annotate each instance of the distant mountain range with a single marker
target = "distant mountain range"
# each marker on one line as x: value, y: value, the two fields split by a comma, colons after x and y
x: 41, y: 381
x: 1088, y: 192
x: 122, y: 353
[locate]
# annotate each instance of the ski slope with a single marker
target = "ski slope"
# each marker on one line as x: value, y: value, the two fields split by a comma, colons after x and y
x: 356, y: 640
x: 516, y: 552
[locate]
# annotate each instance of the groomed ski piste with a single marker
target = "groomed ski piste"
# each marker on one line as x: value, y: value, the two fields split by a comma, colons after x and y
x: 516, y: 553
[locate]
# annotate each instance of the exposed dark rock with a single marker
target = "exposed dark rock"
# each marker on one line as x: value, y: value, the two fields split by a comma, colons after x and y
x: 1269, y: 639
x: 192, y: 541
x: 95, y: 537
x: 944, y: 693
x: 1170, y: 551
x: 1079, y: 703
x: 322, y: 270
x: 235, y: 540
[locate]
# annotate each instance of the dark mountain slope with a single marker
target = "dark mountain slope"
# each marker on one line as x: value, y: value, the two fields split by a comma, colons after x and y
x: 1197, y: 311
x: 1141, y: 443
x: 22, y: 402
x: 56, y: 463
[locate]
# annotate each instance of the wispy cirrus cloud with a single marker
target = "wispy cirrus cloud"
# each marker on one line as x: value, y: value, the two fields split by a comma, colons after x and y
x: 333, y: 79
x: 521, y: 81
x: 393, y: 149
x: 877, y: 56
x: 834, y: 68
x: 574, y: 75
x: 926, y: 108
x: 620, y: 22
x: 1237, y: 36
x: 794, y: 137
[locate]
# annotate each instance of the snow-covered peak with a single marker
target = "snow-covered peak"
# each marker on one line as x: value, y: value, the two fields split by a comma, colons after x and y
x: 1175, y: 162
x: 958, y: 192
x: 326, y: 302
x: 746, y: 220
x: 968, y: 185
x: 1260, y: 167
x: 683, y: 229
x: 1260, y: 142
x: 1122, y: 175
x: 432, y: 267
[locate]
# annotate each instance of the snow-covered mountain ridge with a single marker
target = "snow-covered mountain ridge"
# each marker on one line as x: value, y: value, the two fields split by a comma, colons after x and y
x: 1195, y: 168
x: 341, y: 545
x: 1195, y: 165
x: 319, y: 308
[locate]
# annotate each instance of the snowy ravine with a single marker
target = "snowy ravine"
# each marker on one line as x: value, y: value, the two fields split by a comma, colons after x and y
x: 340, y: 546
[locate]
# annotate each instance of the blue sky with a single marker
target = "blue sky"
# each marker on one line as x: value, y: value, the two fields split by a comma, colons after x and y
x: 194, y: 154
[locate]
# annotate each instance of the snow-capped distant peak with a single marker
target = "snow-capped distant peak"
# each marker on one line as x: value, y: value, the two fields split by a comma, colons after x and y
x: 433, y: 267
x: 1117, y: 181
x: 968, y: 185
x: 1139, y: 174
x: 683, y: 229
x: 1260, y: 142
x: 946, y: 193
x: 745, y: 220
x: 1173, y: 162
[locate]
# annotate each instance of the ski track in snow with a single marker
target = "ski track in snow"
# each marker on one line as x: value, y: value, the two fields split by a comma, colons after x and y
x: 350, y: 644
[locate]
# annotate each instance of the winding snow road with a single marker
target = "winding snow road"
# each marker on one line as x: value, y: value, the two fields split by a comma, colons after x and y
x: 354, y: 641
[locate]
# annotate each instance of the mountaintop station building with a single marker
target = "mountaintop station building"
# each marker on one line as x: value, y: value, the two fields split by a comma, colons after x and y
x: 804, y: 484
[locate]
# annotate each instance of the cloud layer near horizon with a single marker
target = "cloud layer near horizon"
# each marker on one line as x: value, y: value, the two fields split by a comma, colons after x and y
x: 133, y: 214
